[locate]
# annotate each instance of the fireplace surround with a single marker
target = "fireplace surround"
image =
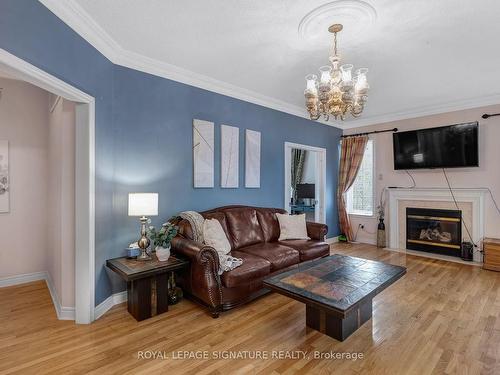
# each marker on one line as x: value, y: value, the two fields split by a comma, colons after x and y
x: 470, y: 201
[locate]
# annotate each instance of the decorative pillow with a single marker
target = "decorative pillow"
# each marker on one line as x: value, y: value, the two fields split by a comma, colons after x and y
x: 292, y: 227
x: 214, y: 236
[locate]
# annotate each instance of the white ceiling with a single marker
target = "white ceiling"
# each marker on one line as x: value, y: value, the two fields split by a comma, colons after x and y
x: 424, y: 56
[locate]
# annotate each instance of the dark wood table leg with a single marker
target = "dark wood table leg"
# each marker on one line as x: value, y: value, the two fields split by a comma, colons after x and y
x: 148, y: 296
x: 139, y: 298
x: 338, y: 328
x: 161, y: 293
x: 314, y: 317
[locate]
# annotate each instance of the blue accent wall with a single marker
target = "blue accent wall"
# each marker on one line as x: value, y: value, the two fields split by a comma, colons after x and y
x: 31, y: 32
x: 144, y: 133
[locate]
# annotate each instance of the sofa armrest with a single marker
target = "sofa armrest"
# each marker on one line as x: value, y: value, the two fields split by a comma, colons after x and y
x: 195, y: 251
x: 203, y: 280
x: 316, y: 231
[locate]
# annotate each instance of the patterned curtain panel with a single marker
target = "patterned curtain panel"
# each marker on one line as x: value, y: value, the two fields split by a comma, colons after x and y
x: 351, y: 156
x: 298, y: 158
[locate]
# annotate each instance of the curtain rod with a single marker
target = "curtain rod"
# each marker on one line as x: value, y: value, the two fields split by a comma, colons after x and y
x: 373, y: 132
x: 485, y: 116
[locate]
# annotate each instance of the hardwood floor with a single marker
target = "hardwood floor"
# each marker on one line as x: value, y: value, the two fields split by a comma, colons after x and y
x: 441, y: 318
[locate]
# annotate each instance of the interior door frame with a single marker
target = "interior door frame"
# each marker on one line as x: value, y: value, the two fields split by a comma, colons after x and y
x: 84, y: 177
x: 320, y: 178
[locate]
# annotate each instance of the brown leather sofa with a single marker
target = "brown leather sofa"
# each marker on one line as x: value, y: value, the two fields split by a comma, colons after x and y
x: 253, y: 234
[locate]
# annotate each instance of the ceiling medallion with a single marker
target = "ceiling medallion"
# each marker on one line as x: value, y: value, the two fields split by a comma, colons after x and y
x: 338, y: 92
x: 356, y: 15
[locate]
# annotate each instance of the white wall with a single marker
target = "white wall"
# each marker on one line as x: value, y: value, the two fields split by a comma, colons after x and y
x: 23, y: 231
x: 486, y: 175
x: 61, y: 199
x: 37, y: 234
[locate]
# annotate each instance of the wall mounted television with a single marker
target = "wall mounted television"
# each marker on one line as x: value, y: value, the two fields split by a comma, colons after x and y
x: 451, y: 146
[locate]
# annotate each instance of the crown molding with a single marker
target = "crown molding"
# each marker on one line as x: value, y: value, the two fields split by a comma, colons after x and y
x: 458, y: 105
x: 71, y: 13
x: 155, y: 67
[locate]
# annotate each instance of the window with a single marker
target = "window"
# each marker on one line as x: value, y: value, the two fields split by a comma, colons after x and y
x: 360, y: 195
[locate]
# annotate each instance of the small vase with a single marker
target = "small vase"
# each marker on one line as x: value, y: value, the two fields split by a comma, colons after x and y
x: 162, y: 253
x: 381, y: 233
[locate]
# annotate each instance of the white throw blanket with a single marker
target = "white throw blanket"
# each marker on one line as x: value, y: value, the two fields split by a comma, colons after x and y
x: 196, y: 222
x: 226, y: 262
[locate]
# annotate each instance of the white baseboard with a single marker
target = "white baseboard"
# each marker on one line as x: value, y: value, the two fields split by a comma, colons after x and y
x: 63, y: 312
x: 22, y: 279
x: 103, y: 307
x: 332, y: 240
x: 108, y: 303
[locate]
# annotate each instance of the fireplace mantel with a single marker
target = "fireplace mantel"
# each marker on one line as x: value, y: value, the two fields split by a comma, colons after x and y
x: 474, y: 196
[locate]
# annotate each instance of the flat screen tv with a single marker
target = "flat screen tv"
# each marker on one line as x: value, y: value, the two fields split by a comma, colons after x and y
x: 450, y: 146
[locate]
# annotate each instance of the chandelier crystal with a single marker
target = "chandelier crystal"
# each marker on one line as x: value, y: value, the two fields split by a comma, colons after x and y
x: 337, y: 92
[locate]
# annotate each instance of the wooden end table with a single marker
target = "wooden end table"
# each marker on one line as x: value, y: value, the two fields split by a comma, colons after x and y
x: 147, y: 283
x: 491, y: 251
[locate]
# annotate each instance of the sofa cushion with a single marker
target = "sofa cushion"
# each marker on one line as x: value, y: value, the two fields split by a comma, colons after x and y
x: 278, y: 255
x: 308, y: 249
x: 223, y: 222
x: 253, y: 268
x: 244, y: 227
x: 215, y: 236
x: 292, y: 227
x: 269, y: 223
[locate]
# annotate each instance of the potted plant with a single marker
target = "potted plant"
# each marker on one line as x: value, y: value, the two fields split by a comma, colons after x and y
x: 161, y: 240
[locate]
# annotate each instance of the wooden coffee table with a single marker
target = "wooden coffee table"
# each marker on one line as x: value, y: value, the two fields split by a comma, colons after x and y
x: 338, y: 291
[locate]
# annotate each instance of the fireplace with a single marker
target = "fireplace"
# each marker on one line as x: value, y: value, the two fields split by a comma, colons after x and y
x: 435, y: 231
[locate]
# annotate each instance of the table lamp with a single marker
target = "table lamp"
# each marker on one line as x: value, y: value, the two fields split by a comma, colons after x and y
x: 142, y: 205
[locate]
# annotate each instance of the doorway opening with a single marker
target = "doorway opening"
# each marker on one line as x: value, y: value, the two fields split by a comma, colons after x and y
x: 305, y: 181
x: 84, y: 179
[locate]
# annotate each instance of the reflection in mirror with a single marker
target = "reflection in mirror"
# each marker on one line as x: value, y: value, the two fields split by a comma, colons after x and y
x: 303, y: 173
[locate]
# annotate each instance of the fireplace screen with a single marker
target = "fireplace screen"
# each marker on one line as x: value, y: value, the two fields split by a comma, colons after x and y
x: 436, y: 231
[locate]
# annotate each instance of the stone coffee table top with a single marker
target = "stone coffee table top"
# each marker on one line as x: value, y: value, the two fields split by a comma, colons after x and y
x: 337, y: 282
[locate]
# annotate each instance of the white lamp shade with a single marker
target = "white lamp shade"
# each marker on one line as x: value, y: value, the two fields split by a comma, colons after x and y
x: 143, y: 204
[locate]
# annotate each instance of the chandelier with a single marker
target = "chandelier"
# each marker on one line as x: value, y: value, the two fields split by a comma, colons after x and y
x: 337, y: 93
